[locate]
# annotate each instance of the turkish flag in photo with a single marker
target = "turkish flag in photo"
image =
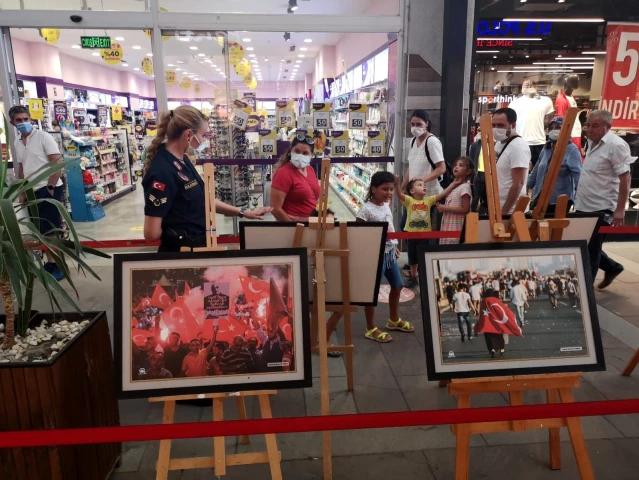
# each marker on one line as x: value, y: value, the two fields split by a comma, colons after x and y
x: 160, y: 298
x: 144, y: 303
x: 158, y: 186
x: 254, y: 290
x: 496, y: 317
x: 178, y: 318
x: 229, y: 328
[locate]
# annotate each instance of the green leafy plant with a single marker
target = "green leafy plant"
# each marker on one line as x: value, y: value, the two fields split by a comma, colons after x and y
x: 20, y: 265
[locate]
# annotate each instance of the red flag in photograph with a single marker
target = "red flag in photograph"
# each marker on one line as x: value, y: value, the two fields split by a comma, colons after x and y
x: 276, y: 307
x: 177, y: 296
x: 144, y: 303
x: 286, y: 328
x: 160, y: 298
x: 187, y: 290
x: 229, y: 328
x: 254, y: 290
x: 178, y: 318
x: 496, y: 317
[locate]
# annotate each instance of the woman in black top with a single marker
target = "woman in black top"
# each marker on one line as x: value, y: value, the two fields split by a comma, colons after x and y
x: 173, y: 190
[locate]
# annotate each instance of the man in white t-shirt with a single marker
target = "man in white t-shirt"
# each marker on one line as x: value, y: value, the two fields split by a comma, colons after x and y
x: 513, y: 159
x: 475, y: 294
x: 463, y: 306
x: 532, y: 111
x: 519, y: 297
x: 35, y: 149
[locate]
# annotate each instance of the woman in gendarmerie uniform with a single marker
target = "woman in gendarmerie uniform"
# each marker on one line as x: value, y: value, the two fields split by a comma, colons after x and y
x: 174, y: 210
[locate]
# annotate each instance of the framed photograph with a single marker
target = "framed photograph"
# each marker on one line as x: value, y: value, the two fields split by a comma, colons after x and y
x: 366, y: 249
x: 508, y: 309
x: 211, y: 322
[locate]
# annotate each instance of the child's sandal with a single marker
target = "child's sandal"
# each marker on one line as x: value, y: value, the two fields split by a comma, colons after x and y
x: 377, y: 335
x: 400, y: 325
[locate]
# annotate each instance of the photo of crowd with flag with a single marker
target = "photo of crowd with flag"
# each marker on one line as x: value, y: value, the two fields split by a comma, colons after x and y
x: 259, y: 307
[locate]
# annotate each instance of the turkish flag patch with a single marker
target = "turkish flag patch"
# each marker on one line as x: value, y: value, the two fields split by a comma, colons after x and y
x: 158, y: 186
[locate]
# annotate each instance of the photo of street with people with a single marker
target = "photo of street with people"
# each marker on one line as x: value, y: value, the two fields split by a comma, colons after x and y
x: 510, y: 308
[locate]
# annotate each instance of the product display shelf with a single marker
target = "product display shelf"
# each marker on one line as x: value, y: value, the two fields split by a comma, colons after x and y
x: 346, y: 199
x: 83, y: 208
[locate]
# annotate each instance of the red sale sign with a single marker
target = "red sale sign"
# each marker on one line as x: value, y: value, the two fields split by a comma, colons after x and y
x: 620, y: 92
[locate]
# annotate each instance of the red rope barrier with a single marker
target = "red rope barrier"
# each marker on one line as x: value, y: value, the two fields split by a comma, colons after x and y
x: 137, y: 433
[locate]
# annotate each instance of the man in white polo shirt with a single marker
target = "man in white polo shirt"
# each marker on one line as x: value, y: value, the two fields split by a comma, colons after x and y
x: 513, y: 159
x: 34, y: 149
x: 604, y: 186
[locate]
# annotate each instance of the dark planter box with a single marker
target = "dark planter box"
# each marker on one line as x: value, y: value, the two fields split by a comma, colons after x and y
x: 74, y: 390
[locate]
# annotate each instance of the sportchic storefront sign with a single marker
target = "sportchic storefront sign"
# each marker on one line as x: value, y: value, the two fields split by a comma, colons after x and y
x: 620, y: 92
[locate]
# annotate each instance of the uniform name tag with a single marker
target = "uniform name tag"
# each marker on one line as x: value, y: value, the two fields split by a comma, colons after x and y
x: 190, y: 185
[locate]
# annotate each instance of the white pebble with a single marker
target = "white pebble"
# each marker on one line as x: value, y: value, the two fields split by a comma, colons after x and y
x: 33, y: 343
x: 4, y: 360
x: 1, y: 327
x: 44, y: 322
x: 18, y: 356
x: 55, y: 346
x: 63, y: 322
x: 57, y: 330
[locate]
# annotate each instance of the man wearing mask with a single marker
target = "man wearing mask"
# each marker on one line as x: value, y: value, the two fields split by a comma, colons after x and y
x: 35, y: 149
x: 604, y: 187
x: 568, y: 174
x: 513, y: 159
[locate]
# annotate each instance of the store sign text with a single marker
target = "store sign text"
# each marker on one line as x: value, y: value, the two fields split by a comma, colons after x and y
x: 494, y: 43
x: 496, y: 99
x: 95, y: 42
x: 509, y: 29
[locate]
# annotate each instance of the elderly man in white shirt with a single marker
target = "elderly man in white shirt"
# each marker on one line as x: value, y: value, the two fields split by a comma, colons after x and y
x: 604, y: 186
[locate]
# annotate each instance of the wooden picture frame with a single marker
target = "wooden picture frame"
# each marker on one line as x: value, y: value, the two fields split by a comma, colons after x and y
x: 242, y: 304
x: 366, y: 242
x: 562, y: 339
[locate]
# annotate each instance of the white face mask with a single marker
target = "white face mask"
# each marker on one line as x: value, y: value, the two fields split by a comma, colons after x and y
x: 554, y: 135
x: 300, y: 161
x: 203, y: 145
x: 417, y: 131
x: 501, y: 134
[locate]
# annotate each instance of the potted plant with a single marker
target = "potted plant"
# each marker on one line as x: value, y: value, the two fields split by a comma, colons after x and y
x: 56, y: 370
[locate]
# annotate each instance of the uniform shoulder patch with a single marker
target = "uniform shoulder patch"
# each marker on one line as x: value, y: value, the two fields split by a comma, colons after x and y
x: 184, y: 177
x: 157, y: 201
x: 177, y: 165
x: 158, y: 186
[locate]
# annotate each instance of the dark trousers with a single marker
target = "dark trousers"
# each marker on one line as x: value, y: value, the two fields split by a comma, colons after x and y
x: 535, y: 151
x: 463, y: 316
x: 494, y: 341
x: 598, y: 258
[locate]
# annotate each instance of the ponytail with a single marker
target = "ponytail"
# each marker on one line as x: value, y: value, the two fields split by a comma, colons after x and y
x: 171, y: 126
x: 152, y: 150
x: 284, y: 159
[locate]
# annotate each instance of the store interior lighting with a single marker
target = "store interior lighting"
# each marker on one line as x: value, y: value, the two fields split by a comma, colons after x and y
x: 519, y: 39
x: 556, y: 20
x: 487, y: 51
x: 292, y: 4
x: 287, y: 36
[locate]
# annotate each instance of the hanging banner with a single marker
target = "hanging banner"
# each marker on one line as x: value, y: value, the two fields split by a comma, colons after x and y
x: 243, y: 68
x: 321, y: 115
x: 620, y: 91
x: 60, y: 111
x: 339, y: 143
x: 357, y: 116
x: 376, y: 143
x: 236, y: 53
x: 116, y: 113
x: 113, y: 55
x: 241, y: 112
x: 249, y: 99
x: 284, y: 113
x: 185, y: 83
x: 305, y: 121
x: 169, y: 77
x: 253, y: 123
x: 268, y: 142
x: 147, y: 66
x: 50, y: 35
x: 36, y: 109
x: 196, y: 88
x: 103, y: 115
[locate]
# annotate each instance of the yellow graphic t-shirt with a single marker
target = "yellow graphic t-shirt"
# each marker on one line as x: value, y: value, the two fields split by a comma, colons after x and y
x: 418, y: 218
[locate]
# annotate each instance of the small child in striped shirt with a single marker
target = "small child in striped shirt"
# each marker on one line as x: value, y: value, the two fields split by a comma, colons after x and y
x: 458, y: 201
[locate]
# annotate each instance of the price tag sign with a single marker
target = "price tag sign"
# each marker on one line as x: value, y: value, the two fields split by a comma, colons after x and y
x: 357, y: 116
x: 376, y: 144
x: 285, y: 113
x: 321, y: 115
x: 339, y: 143
x: 241, y: 112
x: 268, y: 142
x: 305, y: 122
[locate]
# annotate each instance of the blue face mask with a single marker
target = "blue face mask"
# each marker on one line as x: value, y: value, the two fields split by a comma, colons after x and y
x: 24, y: 128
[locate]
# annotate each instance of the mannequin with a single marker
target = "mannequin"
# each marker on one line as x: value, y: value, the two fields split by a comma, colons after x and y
x: 564, y: 101
x: 533, y: 112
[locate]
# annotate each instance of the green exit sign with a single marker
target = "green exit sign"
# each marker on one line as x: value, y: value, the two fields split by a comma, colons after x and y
x: 95, y: 42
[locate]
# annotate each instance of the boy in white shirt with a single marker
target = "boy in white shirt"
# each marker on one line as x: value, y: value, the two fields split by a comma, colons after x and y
x: 463, y: 306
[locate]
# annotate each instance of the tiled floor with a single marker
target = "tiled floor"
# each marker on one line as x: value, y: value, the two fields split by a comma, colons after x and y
x: 392, y: 377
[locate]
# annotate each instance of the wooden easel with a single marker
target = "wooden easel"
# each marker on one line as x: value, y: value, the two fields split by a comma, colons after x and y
x: 318, y: 323
x: 220, y: 460
x: 558, y: 387
x: 634, y: 361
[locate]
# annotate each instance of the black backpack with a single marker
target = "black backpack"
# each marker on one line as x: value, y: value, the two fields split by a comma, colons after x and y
x: 447, y: 177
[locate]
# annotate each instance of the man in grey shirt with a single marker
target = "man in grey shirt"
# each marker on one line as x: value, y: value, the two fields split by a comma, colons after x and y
x: 604, y: 187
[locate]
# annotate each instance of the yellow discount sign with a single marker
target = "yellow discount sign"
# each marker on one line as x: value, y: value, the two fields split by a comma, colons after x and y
x: 196, y: 88
x: 116, y: 113
x: 243, y: 68
x: 169, y: 77
x: 50, y: 35
x: 236, y: 53
x: 147, y: 66
x: 252, y: 85
x: 248, y: 79
x: 185, y: 83
x: 113, y: 55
